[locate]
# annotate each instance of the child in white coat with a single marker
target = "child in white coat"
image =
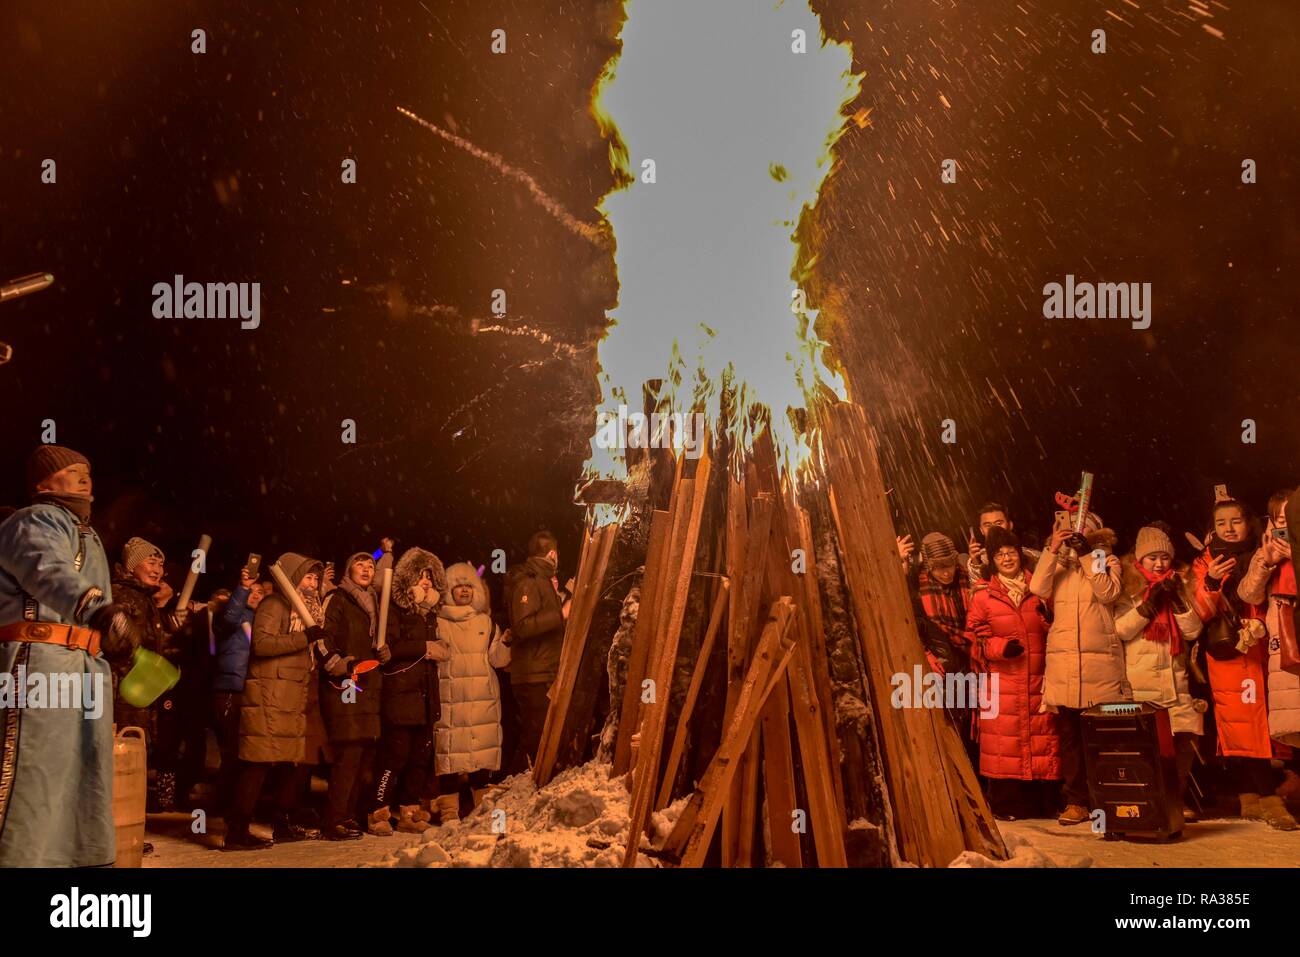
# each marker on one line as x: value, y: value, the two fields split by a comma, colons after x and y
x: 467, y: 737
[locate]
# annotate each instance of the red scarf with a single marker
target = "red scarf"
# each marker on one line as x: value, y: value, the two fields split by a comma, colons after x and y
x: 1164, y: 627
x: 1284, y: 583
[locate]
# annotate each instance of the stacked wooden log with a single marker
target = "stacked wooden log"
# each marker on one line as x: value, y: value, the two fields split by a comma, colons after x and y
x: 773, y: 791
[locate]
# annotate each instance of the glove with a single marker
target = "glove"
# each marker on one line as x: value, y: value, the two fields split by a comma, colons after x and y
x: 1014, y: 649
x: 1252, y: 629
x: 1147, y: 609
x: 118, y: 638
x: 315, y: 633
x: 339, y: 667
x: 384, y: 654
x: 1200, y: 705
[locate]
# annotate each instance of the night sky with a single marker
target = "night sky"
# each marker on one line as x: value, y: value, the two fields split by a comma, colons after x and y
x: 226, y: 167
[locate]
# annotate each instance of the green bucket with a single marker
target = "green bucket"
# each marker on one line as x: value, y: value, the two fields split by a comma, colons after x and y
x: 151, y: 675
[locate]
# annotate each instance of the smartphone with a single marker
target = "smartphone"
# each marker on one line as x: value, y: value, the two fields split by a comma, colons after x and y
x: 254, y: 565
x: 1280, y: 534
x: 329, y: 567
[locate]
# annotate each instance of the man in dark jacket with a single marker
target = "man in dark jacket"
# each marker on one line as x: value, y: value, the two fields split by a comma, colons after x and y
x: 232, y: 634
x: 537, y: 617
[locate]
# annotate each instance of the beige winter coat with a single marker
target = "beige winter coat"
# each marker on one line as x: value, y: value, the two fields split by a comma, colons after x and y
x: 1085, y: 658
x: 1283, y: 687
x: 1154, y: 674
x: 467, y: 736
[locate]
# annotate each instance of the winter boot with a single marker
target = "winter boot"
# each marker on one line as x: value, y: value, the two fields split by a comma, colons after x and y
x: 479, y: 794
x: 239, y: 838
x: 339, y: 832
x: 1250, y: 807
x: 166, y: 791
x: 378, y: 823
x: 408, y: 823
x: 424, y: 811
x: 1073, y: 814
x: 1276, y: 814
x: 286, y: 832
x: 448, y: 808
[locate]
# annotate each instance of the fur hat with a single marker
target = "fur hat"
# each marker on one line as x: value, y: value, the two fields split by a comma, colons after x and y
x: 463, y: 573
x: 45, y: 460
x: 1151, y: 540
x: 137, y: 550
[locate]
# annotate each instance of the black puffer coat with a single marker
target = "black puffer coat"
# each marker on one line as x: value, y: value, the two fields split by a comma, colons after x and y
x: 410, y: 679
x: 350, y: 715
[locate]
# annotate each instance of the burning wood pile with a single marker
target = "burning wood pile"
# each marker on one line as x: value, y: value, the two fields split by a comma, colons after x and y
x: 771, y: 619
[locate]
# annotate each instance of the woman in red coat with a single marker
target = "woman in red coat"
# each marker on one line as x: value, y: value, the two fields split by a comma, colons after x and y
x: 1020, y: 749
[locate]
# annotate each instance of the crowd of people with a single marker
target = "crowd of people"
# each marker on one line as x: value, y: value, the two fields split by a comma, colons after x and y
x: 410, y: 719
x: 418, y: 712
x: 1212, y: 643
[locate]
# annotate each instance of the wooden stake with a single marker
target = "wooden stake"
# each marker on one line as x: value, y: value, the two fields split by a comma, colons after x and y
x: 692, y: 692
x: 690, y: 838
x: 589, y: 582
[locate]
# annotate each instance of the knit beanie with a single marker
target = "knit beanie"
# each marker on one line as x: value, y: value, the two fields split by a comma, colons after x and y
x: 1149, y: 540
x: 938, y: 549
x: 137, y: 550
x: 45, y: 460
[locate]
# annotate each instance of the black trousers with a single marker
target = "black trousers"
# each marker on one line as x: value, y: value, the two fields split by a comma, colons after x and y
x: 1010, y: 797
x: 225, y: 721
x: 1075, y: 770
x: 182, y: 744
x: 1253, y: 776
x: 403, y: 767
x: 292, y: 778
x: 350, y: 758
x: 1184, y: 758
x: 450, y: 783
x: 531, y: 704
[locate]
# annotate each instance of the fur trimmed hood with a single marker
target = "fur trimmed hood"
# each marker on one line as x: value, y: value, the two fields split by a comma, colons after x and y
x: 463, y: 573
x: 407, y: 572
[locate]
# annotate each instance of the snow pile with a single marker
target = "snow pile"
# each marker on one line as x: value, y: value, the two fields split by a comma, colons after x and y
x: 580, y: 819
x: 1023, y: 854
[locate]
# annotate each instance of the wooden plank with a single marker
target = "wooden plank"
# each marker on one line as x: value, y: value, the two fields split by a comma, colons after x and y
x: 690, y: 838
x: 936, y: 813
x: 642, y: 639
x: 778, y: 776
x: 590, y: 580
x: 654, y: 716
x: 692, y: 693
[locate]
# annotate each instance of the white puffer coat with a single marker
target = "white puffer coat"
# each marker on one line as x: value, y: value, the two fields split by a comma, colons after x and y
x: 1257, y: 586
x: 467, y: 736
x: 1155, y: 674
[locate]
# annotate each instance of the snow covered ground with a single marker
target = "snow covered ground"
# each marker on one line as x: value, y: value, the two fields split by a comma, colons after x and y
x: 580, y: 820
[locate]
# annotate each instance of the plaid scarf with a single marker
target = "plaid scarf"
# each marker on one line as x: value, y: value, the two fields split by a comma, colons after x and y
x: 946, y: 605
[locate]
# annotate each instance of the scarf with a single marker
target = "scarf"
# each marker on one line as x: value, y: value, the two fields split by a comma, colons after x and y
x: 1015, y: 587
x: 456, y: 612
x: 1284, y: 583
x: 365, y: 597
x: 946, y: 605
x: 1164, y: 627
x: 78, y: 505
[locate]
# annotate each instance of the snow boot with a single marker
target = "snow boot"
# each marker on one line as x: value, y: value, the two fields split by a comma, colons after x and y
x: 1250, y: 806
x: 340, y: 832
x: 166, y: 791
x: 448, y: 808
x: 407, y: 822
x: 239, y: 838
x: 424, y: 811
x: 479, y: 794
x: 1276, y: 814
x: 378, y: 823
x: 286, y: 832
x: 1073, y: 814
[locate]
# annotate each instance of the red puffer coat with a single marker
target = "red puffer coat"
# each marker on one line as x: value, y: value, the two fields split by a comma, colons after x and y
x: 1017, y: 739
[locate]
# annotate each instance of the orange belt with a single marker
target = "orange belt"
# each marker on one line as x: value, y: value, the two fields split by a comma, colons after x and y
x: 45, y: 632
